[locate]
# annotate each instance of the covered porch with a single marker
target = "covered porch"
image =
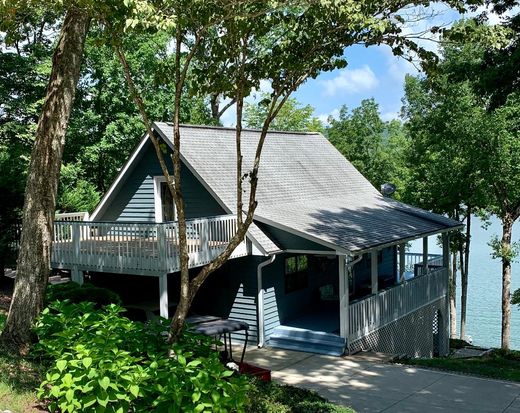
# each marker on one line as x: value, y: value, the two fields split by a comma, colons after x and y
x: 363, y: 302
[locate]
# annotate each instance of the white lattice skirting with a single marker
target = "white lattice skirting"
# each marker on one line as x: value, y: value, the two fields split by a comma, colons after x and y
x: 423, y: 333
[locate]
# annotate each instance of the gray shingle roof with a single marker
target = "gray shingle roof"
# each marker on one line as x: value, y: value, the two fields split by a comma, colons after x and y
x: 305, y: 186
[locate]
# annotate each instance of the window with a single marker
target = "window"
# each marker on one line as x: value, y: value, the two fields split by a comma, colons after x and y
x: 296, y: 276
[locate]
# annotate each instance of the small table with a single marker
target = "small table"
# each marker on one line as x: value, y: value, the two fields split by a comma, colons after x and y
x: 225, y: 328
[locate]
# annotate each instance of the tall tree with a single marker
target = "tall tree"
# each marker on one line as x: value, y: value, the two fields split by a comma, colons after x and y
x: 371, y: 144
x: 443, y: 121
x: 42, y: 182
x: 282, y: 42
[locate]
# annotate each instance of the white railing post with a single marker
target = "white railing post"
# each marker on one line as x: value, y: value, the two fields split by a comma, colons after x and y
x: 204, y: 241
x: 425, y: 256
x: 161, y: 245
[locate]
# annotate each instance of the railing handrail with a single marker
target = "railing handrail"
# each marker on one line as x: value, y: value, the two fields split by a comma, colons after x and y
x: 420, y: 254
x: 377, y: 310
x: 71, y: 216
x: 147, y: 246
x: 214, y: 218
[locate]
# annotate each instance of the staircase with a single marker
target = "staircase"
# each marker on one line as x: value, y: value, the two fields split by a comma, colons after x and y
x: 299, y: 339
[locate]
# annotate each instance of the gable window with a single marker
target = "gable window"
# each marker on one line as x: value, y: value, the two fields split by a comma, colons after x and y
x: 296, y: 274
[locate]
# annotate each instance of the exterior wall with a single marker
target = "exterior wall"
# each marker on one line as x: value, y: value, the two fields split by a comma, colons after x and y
x: 279, y: 306
x: 135, y: 199
x: 412, y: 335
x: 231, y: 292
x: 387, y: 270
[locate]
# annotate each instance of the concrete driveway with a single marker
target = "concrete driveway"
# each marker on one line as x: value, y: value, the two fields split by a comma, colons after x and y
x: 368, y: 383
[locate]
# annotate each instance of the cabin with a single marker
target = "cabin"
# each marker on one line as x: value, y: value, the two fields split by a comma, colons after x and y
x: 324, y: 267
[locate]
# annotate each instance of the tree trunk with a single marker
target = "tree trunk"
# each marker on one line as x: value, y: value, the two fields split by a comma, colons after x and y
x: 507, y: 229
x: 453, y: 297
x: 42, y: 182
x: 464, y: 276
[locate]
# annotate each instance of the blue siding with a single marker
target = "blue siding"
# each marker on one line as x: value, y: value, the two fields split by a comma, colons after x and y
x: 231, y: 292
x: 135, y: 199
x: 288, y: 241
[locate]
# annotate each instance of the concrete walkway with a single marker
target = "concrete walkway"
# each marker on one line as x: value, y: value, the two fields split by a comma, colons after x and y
x: 367, y: 383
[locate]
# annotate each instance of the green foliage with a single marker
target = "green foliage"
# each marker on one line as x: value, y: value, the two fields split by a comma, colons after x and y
x: 76, y: 293
x: 507, y: 251
x: 275, y: 398
x: 101, y: 361
x: 515, y: 297
x: 376, y: 148
x: 291, y: 117
x: 76, y: 193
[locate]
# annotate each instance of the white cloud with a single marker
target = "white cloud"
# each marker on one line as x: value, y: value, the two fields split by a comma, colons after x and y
x: 351, y: 81
x: 324, y: 117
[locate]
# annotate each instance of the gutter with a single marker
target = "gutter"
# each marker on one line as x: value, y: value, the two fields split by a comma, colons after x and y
x: 260, y: 298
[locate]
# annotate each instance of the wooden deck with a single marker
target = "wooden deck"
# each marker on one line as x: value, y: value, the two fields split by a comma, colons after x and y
x: 139, y: 248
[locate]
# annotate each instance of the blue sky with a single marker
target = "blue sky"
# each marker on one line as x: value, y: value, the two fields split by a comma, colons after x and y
x: 372, y: 72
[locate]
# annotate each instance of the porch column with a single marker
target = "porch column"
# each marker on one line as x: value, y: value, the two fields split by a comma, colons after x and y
x: 343, y: 297
x: 374, y: 271
x: 425, y: 255
x: 402, y: 262
x: 163, y: 295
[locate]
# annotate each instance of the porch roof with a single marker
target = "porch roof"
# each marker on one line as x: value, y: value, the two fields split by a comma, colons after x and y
x: 305, y: 187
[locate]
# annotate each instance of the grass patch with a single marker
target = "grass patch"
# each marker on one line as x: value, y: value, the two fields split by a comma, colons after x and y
x: 277, y: 398
x: 18, y: 380
x: 499, y: 364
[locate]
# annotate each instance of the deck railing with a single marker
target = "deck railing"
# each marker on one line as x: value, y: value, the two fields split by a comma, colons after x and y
x: 138, y: 247
x: 413, y: 259
x: 378, y: 310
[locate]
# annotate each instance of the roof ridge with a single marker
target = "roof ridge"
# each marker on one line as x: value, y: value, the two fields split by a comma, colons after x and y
x: 186, y: 125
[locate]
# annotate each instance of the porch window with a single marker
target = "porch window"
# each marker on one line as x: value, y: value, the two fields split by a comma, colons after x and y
x: 296, y: 275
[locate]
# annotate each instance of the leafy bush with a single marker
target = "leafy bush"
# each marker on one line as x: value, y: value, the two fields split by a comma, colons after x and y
x: 76, y: 293
x: 101, y: 361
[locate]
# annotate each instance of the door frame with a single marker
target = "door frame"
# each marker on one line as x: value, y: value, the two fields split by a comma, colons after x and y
x: 157, y: 180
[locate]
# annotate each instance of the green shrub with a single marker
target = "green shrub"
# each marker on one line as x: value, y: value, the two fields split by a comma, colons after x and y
x: 102, y: 361
x: 76, y: 293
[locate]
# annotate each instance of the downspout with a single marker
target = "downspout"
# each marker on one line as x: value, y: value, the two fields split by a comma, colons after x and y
x: 260, y: 298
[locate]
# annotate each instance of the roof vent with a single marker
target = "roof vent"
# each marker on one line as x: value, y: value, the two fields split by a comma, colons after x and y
x: 387, y: 189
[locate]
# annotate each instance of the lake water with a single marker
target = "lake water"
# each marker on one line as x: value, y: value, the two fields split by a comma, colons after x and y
x: 484, y: 317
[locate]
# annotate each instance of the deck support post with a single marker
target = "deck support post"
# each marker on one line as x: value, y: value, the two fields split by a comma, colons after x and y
x: 425, y: 256
x: 76, y: 275
x: 402, y: 262
x: 374, y: 271
x: 163, y: 295
x: 343, y: 297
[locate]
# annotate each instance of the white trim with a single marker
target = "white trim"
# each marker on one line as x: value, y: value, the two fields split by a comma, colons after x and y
x: 119, y: 178
x: 157, y: 201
